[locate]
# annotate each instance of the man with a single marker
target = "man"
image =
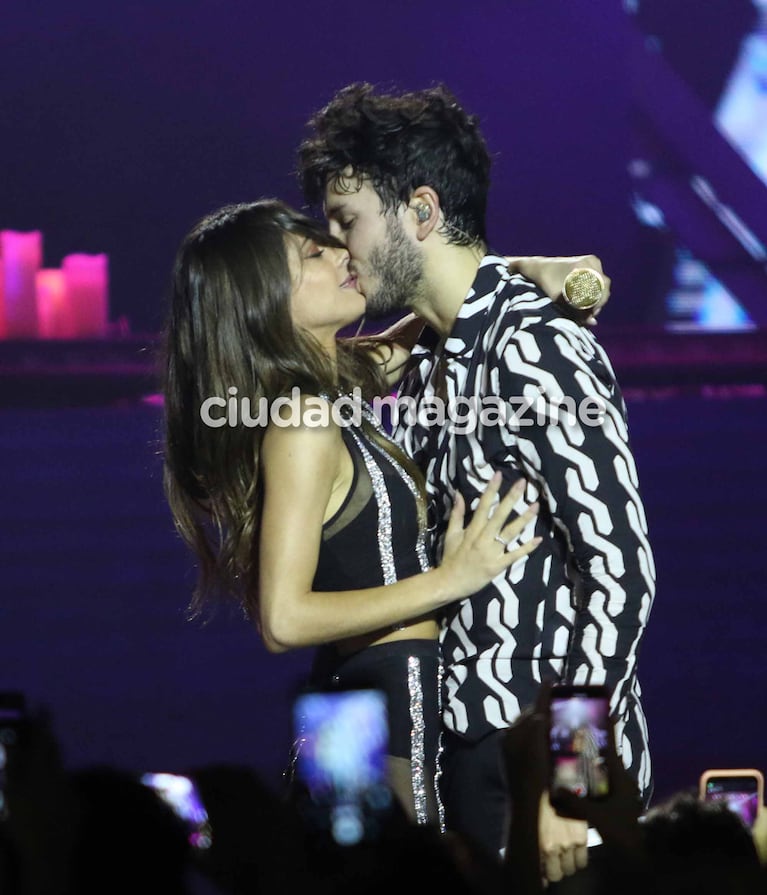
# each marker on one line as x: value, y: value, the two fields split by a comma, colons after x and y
x: 404, y: 182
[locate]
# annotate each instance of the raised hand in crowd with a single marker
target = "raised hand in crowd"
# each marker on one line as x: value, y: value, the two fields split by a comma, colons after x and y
x: 542, y: 847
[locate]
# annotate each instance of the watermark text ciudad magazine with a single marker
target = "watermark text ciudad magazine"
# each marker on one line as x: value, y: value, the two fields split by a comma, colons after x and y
x: 460, y: 414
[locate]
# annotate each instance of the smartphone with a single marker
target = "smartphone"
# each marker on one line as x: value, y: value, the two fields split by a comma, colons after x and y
x: 579, y: 731
x: 342, y: 739
x: 181, y: 795
x: 741, y: 789
x: 12, y: 712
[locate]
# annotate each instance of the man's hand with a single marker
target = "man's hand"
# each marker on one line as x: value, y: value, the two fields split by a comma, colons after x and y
x: 550, y: 274
x: 562, y: 843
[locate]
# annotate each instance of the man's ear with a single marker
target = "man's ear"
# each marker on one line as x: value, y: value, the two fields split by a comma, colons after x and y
x: 424, y: 211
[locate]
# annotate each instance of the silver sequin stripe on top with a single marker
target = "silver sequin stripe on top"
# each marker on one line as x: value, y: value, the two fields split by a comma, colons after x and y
x: 420, y: 547
x: 385, y: 549
x: 420, y: 544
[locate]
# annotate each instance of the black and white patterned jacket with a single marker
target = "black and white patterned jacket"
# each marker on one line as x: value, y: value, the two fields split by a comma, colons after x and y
x: 576, y: 608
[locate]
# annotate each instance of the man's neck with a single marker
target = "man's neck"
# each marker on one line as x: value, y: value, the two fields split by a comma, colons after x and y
x: 449, y: 271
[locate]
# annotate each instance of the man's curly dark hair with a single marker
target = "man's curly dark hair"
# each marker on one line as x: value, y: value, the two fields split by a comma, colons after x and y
x: 401, y: 142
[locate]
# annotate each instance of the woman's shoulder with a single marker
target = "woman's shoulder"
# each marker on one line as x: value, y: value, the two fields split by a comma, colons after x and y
x: 302, y: 425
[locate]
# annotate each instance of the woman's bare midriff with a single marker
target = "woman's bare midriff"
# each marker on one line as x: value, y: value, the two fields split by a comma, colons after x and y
x: 420, y: 629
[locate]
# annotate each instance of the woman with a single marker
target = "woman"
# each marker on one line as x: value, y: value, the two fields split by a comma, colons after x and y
x: 317, y: 529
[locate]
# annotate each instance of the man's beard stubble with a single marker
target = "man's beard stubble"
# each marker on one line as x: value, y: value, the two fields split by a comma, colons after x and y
x: 398, y: 267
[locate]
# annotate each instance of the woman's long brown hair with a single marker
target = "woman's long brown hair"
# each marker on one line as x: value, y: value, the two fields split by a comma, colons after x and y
x: 230, y: 325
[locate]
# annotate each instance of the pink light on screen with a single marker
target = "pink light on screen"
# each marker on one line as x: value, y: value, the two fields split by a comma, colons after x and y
x: 87, y: 283
x: 53, y: 305
x: 22, y: 256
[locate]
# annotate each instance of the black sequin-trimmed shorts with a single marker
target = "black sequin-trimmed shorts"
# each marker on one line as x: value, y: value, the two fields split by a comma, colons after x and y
x: 409, y: 672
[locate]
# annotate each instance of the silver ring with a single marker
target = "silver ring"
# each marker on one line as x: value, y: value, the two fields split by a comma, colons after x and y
x: 501, y: 541
x: 583, y: 288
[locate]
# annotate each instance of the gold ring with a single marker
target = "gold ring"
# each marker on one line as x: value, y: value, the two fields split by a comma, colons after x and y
x: 583, y: 288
